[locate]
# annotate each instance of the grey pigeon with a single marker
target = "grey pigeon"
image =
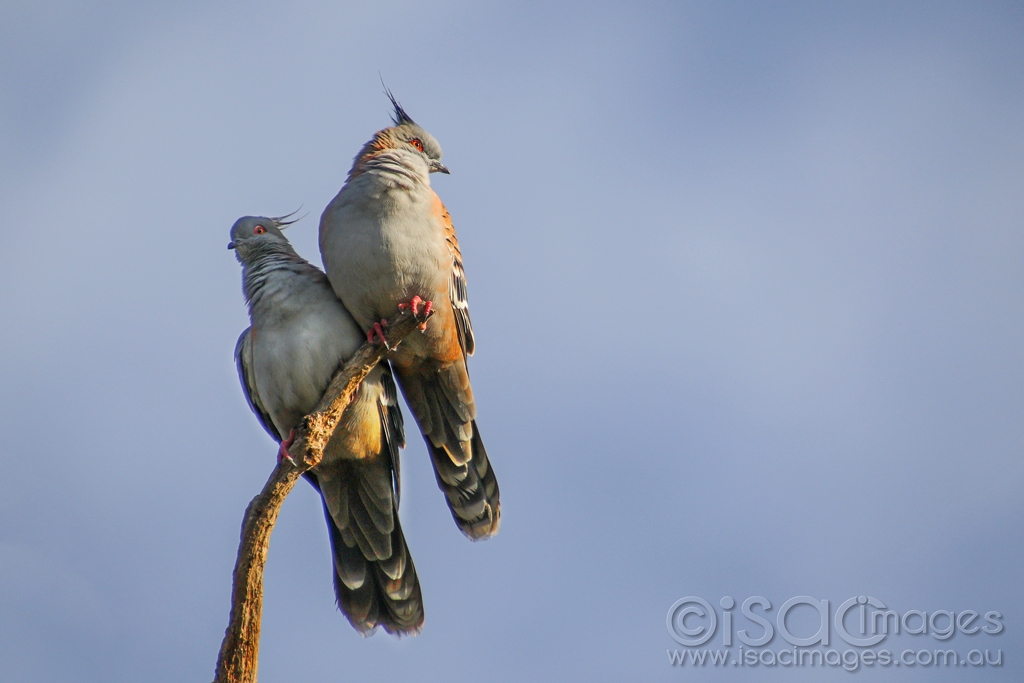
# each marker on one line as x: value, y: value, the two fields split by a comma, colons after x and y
x: 300, y: 335
x: 388, y: 242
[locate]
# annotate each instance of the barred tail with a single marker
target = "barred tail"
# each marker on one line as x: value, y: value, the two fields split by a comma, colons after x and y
x: 374, y: 593
x: 471, y: 489
x: 375, y: 580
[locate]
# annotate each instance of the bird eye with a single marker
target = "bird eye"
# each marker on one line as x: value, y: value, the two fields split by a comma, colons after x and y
x: 259, y: 230
x: 417, y: 143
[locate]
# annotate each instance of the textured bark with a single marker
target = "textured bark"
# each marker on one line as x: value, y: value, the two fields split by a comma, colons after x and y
x: 239, y: 653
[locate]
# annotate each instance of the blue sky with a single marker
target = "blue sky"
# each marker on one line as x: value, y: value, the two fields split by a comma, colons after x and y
x: 747, y: 286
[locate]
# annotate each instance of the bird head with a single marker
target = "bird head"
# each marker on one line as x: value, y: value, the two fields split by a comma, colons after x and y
x: 252, y: 236
x: 414, y: 145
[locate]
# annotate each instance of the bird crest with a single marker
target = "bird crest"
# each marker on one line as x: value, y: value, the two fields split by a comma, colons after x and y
x: 399, y: 117
x: 282, y: 222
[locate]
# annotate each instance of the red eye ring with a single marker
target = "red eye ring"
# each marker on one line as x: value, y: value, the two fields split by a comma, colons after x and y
x: 259, y: 230
x: 417, y: 143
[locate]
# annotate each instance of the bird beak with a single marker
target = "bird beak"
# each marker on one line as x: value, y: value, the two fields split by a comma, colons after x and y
x: 231, y: 245
x: 438, y: 167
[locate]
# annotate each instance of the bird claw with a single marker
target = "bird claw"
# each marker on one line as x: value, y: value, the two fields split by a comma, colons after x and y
x: 420, y: 308
x: 375, y: 335
x: 282, y: 452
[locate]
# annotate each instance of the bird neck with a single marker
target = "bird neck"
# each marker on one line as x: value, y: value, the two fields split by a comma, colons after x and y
x: 390, y: 169
x: 265, y: 277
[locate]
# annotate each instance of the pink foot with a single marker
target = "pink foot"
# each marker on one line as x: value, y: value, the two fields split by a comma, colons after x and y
x: 377, y: 331
x: 428, y: 308
x: 282, y: 452
x: 414, y: 305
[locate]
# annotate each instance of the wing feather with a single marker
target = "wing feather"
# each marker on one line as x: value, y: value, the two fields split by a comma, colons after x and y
x: 243, y: 359
x: 392, y: 426
x: 457, y: 287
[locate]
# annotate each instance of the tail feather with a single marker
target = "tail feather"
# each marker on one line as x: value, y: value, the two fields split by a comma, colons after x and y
x: 443, y: 409
x: 442, y: 402
x: 374, y: 593
x: 471, y: 489
x: 374, y: 577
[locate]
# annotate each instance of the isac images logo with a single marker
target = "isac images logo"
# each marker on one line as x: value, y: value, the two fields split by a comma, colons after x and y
x: 811, y: 634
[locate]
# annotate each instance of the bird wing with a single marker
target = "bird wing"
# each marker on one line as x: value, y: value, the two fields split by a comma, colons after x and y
x: 457, y: 286
x: 243, y: 359
x: 392, y: 425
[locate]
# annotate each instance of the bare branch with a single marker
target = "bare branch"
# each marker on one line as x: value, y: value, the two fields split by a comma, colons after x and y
x: 239, y: 652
